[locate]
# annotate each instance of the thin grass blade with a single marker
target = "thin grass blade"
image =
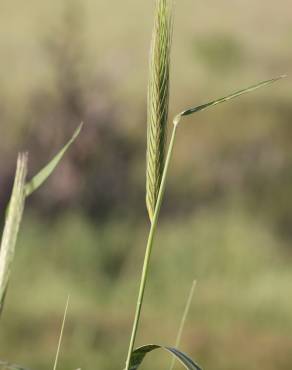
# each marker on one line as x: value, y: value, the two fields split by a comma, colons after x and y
x: 183, y: 320
x: 12, y: 224
x: 139, y: 354
x: 225, y: 98
x: 45, y: 172
x: 61, y: 334
x: 14, y: 211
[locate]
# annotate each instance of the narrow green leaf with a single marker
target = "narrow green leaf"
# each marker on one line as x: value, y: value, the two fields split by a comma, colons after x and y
x: 183, y: 320
x: 12, y: 223
x: 139, y: 354
x: 7, y: 366
x: 45, y: 172
x: 14, y: 211
x: 225, y: 98
x: 61, y: 334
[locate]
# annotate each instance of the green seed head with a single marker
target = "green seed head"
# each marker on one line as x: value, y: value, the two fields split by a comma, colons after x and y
x: 158, y: 100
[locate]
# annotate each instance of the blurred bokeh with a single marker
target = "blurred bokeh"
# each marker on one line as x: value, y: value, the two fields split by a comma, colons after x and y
x: 226, y: 220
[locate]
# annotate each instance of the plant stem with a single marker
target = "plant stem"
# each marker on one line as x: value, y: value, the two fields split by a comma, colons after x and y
x: 61, y: 334
x: 149, y: 249
x: 183, y: 321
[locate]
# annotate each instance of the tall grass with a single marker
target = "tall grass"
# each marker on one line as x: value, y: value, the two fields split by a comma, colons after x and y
x: 22, y: 190
x: 157, y: 169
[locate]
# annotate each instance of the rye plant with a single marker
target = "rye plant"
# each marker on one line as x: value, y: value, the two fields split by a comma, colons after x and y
x: 158, y: 160
x: 157, y: 163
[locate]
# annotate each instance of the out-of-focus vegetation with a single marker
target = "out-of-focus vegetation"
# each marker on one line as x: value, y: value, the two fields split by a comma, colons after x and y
x: 226, y: 219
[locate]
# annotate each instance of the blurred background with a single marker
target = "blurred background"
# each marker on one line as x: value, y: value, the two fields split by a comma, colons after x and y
x: 226, y: 219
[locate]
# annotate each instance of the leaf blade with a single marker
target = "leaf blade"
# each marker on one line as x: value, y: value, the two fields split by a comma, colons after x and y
x: 225, y: 98
x: 47, y: 170
x: 61, y: 334
x: 139, y: 354
x: 183, y: 320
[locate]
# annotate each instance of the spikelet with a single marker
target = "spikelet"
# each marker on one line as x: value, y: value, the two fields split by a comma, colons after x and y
x: 158, y: 100
x: 12, y: 223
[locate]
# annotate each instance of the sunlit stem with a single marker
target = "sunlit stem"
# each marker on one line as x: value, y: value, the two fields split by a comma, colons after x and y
x: 149, y: 246
x: 183, y: 321
x: 61, y: 335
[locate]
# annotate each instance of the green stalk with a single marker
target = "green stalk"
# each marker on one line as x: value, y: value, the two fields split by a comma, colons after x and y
x: 149, y: 248
x: 61, y: 334
x: 183, y: 321
x: 154, y: 220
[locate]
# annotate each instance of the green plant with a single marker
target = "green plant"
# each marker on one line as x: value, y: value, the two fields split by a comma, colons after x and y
x: 158, y: 92
x: 22, y: 190
x: 157, y: 171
